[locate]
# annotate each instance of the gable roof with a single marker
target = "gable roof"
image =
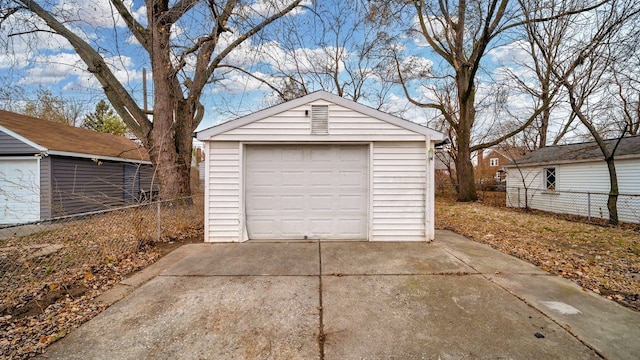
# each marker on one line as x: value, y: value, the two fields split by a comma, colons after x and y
x: 589, y: 151
x: 314, y: 96
x: 62, y: 139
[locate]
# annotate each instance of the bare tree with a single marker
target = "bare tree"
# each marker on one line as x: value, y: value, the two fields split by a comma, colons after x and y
x: 537, y: 80
x: 335, y: 50
x: 47, y: 106
x: 585, y: 70
x: 460, y: 33
x: 184, y: 41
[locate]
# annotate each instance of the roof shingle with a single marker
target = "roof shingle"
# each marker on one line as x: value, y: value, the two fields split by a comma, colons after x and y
x: 629, y: 145
x: 65, y: 138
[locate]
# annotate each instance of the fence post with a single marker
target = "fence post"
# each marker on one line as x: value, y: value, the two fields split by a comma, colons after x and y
x: 518, y: 197
x: 158, y: 227
x: 589, y: 205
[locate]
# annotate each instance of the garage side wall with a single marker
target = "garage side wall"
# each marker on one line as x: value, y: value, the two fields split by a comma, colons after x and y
x: 222, y: 192
x: 398, y: 196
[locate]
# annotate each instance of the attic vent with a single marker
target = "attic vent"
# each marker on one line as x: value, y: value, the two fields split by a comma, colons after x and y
x: 320, y: 119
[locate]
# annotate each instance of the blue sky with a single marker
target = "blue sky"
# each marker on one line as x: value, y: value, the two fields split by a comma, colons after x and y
x: 44, y: 61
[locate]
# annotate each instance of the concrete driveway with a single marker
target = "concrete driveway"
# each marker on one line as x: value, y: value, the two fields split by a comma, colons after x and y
x: 450, y: 299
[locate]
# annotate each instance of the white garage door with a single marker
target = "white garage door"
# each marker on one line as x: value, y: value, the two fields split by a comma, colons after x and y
x: 313, y: 191
x: 19, y: 191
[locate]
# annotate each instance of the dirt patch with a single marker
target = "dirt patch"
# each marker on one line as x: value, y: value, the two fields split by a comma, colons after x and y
x: 50, y: 296
x: 39, y: 318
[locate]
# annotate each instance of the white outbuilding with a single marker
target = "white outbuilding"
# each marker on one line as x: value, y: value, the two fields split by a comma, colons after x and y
x: 319, y: 167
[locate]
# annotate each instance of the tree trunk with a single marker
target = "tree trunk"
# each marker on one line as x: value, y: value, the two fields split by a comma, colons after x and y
x: 612, y: 202
x: 464, y: 167
x: 169, y: 141
x: 466, y: 181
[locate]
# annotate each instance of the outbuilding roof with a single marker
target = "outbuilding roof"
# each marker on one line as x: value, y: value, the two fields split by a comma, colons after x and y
x: 629, y: 146
x: 62, y: 139
x: 314, y: 96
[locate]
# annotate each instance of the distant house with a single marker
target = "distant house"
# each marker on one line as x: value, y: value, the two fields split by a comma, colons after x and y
x: 444, y: 169
x: 49, y: 169
x: 574, y: 179
x: 490, y: 166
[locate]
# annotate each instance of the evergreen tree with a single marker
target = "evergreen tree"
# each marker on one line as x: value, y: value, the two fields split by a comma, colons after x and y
x: 104, y: 120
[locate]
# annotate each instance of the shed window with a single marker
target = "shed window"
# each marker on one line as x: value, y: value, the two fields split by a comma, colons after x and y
x: 550, y: 178
x: 320, y: 119
x: 493, y: 162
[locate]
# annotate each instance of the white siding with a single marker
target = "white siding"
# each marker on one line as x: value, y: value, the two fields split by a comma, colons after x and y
x: 399, y: 176
x: 223, y: 192
x: 573, y: 182
x: 344, y: 125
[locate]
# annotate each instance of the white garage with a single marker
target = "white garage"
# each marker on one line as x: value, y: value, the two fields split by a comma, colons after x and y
x: 322, y: 168
x: 19, y: 190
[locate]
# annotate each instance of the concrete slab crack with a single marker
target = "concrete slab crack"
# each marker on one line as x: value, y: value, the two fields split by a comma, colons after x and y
x: 321, y: 334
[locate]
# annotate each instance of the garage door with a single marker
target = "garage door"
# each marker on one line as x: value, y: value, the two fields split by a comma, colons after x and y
x: 19, y: 191
x: 313, y: 191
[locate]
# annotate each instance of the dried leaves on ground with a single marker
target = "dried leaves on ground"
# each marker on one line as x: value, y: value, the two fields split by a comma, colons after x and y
x: 50, y: 273
x: 602, y: 259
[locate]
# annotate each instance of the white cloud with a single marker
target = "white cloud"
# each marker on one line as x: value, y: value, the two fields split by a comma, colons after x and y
x: 97, y: 13
x: 237, y: 83
x: 434, y: 26
x: 303, y: 60
x: 266, y: 8
x: 514, y: 52
x: 21, y: 49
x: 49, y: 69
x: 69, y: 68
x: 141, y: 15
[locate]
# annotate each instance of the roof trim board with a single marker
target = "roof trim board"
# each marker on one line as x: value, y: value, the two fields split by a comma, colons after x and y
x: 206, y: 134
x: 23, y: 139
x: 628, y: 147
x: 561, y: 162
x: 99, y: 157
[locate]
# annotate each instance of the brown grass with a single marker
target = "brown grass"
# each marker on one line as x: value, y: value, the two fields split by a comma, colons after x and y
x: 602, y: 259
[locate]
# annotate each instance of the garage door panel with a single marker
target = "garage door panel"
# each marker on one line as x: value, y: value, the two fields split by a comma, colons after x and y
x: 293, y: 179
x: 292, y: 203
x: 291, y: 154
x: 350, y: 227
x: 291, y: 228
x: 322, y: 179
x: 319, y: 191
x: 323, y: 154
x: 350, y: 202
x: 263, y: 202
x: 262, y: 179
x: 352, y: 179
x: 321, y: 203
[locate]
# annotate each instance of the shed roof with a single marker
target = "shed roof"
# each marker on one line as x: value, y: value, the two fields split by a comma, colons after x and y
x: 629, y: 146
x: 62, y: 139
x: 314, y: 96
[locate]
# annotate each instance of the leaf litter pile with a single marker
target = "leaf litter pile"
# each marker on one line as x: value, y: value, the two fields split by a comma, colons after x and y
x: 602, y: 259
x: 49, y: 279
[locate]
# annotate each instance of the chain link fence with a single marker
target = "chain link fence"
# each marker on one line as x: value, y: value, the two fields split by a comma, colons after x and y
x: 86, y: 252
x: 590, y: 205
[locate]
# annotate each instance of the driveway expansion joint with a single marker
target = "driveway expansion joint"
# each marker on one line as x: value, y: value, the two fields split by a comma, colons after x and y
x: 321, y: 334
